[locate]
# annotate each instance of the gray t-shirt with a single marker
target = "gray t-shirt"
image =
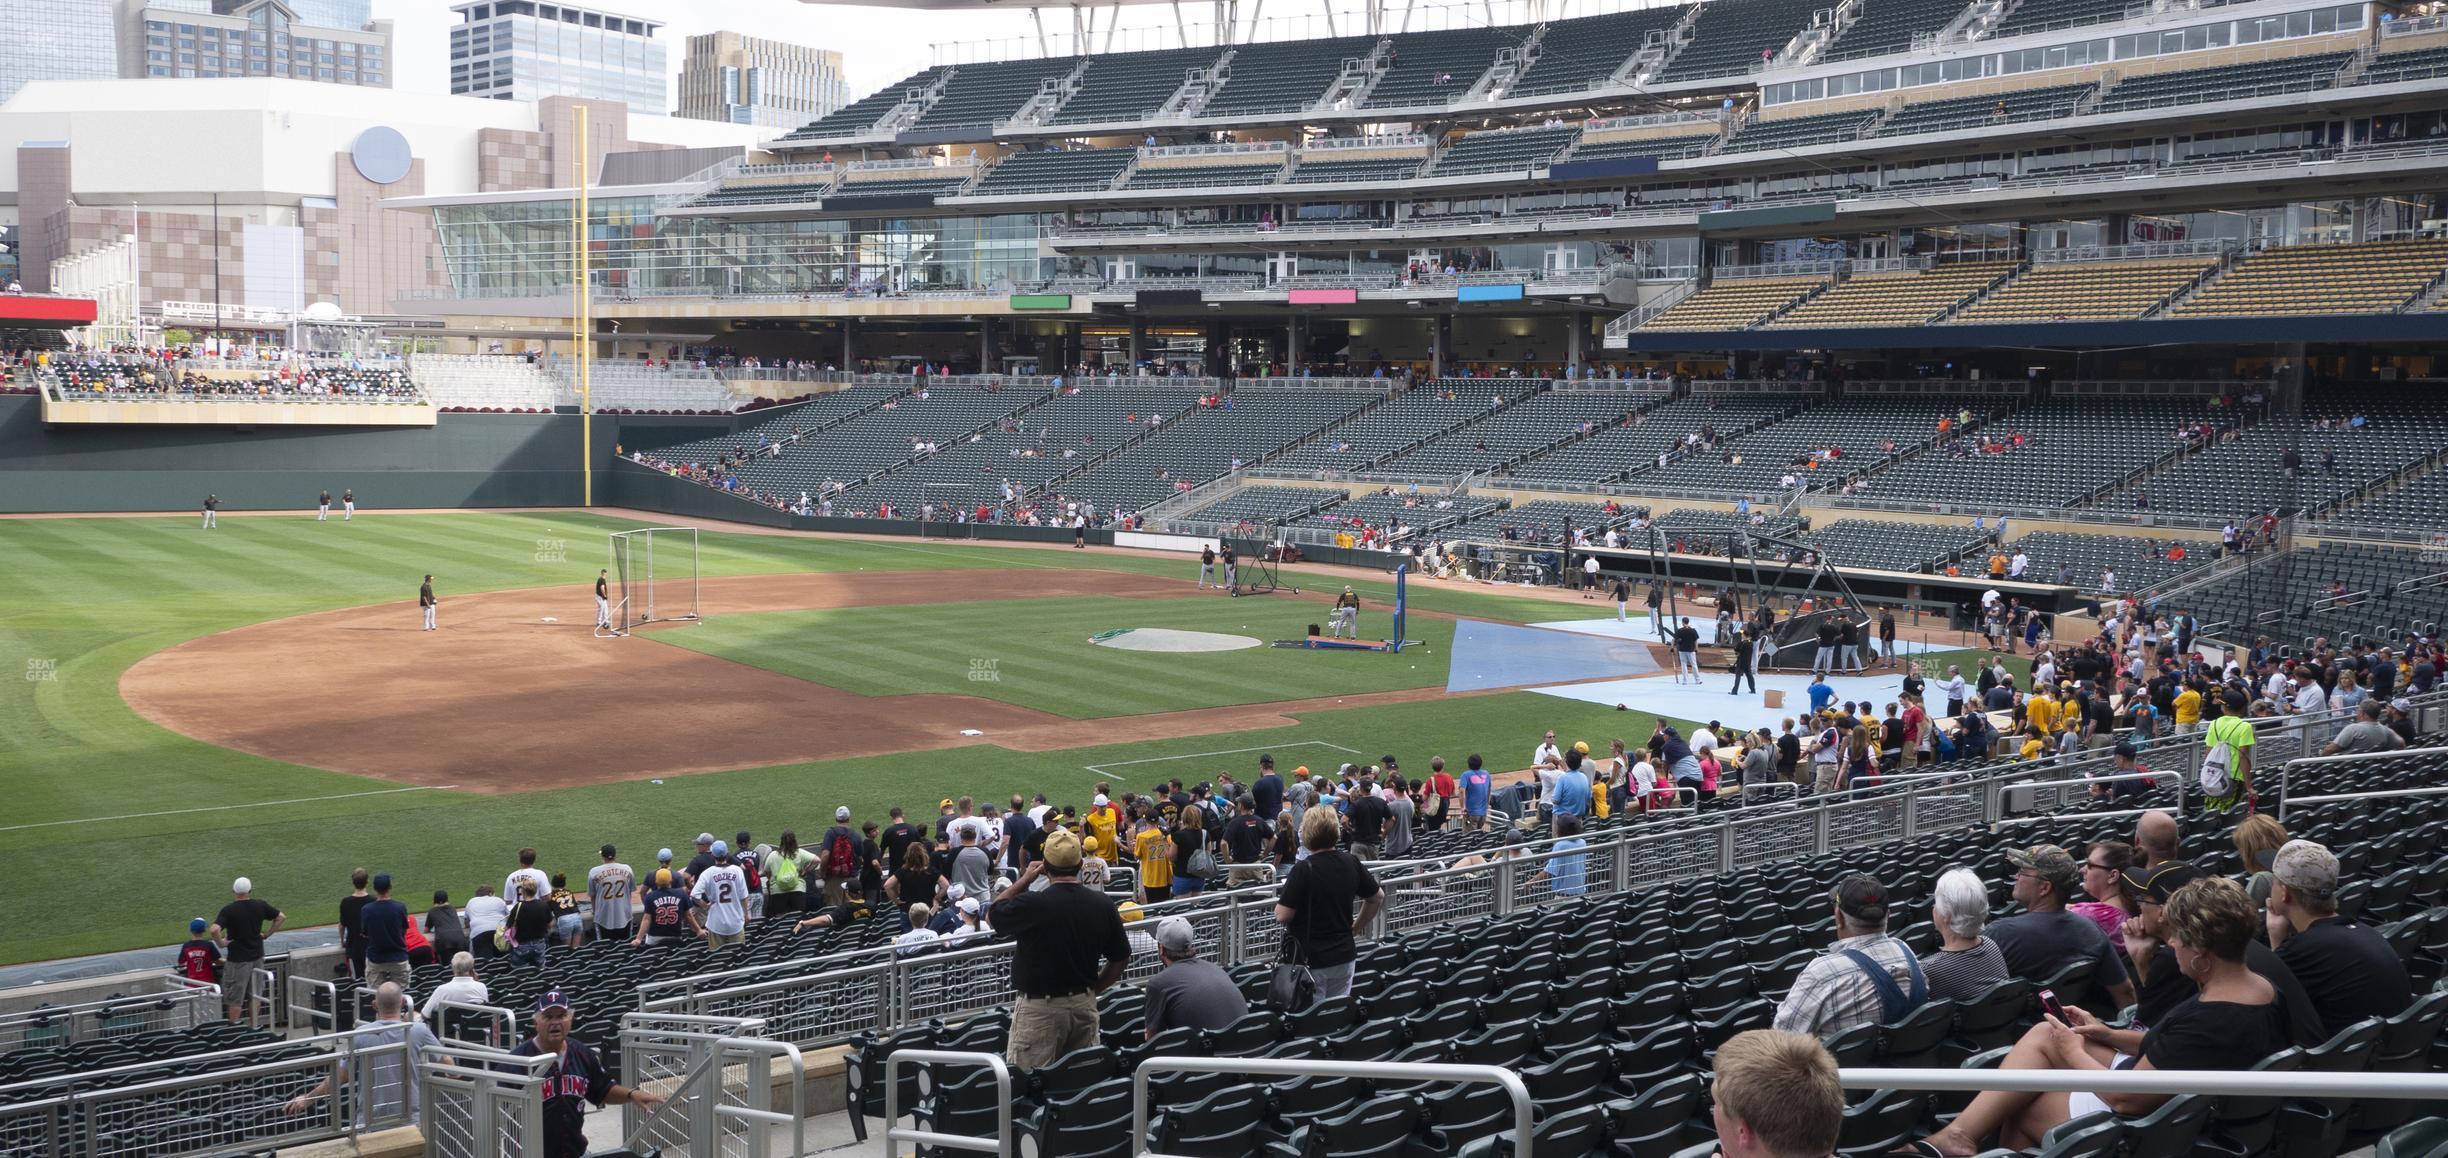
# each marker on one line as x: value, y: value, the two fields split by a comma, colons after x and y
x: 1193, y: 993
x: 386, y: 1087
x: 608, y: 888
x: 2368, y: 736
x: 1958, y: 974
x: 973, y: 870
x: 1398, y: 829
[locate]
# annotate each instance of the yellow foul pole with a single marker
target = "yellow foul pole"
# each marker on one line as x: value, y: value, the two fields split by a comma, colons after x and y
x: 582, y: 322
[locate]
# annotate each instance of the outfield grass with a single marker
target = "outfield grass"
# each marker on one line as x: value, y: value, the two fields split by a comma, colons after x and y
x: 89, y: 783
x: 1037, y: 653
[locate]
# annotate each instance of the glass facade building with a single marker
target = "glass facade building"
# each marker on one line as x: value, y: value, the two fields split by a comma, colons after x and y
x: 56, y: 40
x: 523, y: 50
x: 749, y: 80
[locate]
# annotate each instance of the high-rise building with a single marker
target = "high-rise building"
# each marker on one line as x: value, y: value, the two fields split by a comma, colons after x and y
x: 749, y: 80
x: 522, y: 50
x: 56, y: 40
x: 222, y: 38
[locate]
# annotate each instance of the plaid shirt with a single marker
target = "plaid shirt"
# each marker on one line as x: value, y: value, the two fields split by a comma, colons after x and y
x: 1833, y: 994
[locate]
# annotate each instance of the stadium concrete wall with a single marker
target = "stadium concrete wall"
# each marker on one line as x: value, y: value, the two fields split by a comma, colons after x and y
x: 464, y: 460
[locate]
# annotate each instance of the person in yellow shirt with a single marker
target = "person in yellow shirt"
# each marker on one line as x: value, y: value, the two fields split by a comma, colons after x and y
x: 1997, y: 564
x: 2034, y: 743
x: 2188, y: 707
x: 1155, y: 852
x: 1104, y: 822
x: 2041, y: 711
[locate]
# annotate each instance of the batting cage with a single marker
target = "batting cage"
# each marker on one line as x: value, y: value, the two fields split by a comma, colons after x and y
x: 654, y: 573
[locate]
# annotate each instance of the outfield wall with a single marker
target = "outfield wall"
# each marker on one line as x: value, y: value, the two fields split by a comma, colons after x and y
x: 463, y: 460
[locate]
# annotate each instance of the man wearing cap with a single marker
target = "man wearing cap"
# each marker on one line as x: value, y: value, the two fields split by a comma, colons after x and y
x: 2042, y: 941
x: 1070, y: 948
x: 2348, y: 969
x: 388, y: 1089
x: 612, y: 891
x: 1866, y: 977
x: 385, y: 922
x: 1190, y: 991
x: 830, y: 847
x: 2365, y: 734
x: 2160, y: 985
x: 669, y: 917
x: 245, y: 922
x: 721, y: 894
x: 699, y: 863
x: 575, y: 1078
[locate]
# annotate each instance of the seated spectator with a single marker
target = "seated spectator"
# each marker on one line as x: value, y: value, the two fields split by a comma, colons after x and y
x: 2160, y: 986
x: 2043, y: 941
x: 2231, y: 1024
x: 2366, y: 734
x: 2257, y: 842
x: 2348, y: 970
x: 463, y: 988
x: 1566, y: 872
x: 2103, y: 876
x: 1865, y: 977
x: 1190, y: 991
x: 1966, y: 961
x: 1775, y: 1096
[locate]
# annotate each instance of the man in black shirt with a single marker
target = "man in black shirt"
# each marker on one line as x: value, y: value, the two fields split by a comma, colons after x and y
x: 575, y: 1078
x: 352, y: 934
x: 1824, y: 663
x: 1744, y: 652
x: 1687, y: 652
x: 1268, y: 789
x: 2159, y: 986
x: 2349, y: 970
x: 1366, y: 818
x: 1848, y: 642
x: 1245, y: 840
x: 1886, y: 636
x: 426, y: 600
x: 898, y: 835
x: 385, y: 925
x: 323, y: 506
x: 1071, y: 947
x: 603, y: 599
x: 244, y: 922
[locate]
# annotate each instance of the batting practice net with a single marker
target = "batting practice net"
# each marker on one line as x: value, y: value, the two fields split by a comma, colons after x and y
x: 654, y: 573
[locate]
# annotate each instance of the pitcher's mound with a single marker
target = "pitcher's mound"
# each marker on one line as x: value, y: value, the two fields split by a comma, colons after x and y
x: 1167, y: 639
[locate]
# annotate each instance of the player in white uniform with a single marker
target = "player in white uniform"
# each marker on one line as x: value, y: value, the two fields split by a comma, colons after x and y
x: 212, y: 511
x: 426, y: 600
x: 603, y: 600
x: 323, y: 506
x: 348, y: 505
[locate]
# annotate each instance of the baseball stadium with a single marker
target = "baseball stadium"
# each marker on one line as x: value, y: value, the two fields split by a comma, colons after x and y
x: 1729, y: 577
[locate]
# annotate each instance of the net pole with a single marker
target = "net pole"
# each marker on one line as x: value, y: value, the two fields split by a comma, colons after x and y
x: 696, y: 578
x: 650, y: 575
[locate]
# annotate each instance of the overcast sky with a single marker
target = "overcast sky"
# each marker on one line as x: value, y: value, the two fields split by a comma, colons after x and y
x: 883, y: 45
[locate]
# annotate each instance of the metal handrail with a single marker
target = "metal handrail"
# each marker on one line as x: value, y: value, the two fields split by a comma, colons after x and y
x: 1510, y: 1082
x: 1000, y: 1145
x: 2215, y: 1083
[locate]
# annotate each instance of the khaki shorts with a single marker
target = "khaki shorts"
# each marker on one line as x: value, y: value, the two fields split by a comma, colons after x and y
x: 1046, y: 1028
x: 716, y: 940
x: 238, y: 980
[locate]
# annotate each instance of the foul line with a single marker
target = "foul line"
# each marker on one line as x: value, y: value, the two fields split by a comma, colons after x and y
x: 230, y: 807
x: 1100, y: 768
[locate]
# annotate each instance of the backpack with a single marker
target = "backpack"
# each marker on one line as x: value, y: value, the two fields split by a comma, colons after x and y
x: 786, y: 872
x: 748, y: 867
x: 841, y: 857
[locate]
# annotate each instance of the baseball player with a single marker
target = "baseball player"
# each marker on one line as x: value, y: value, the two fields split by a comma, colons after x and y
x: 426, y: 600
x: 1207, y: 566
x: 1346, y: 618
x: 603, y: 598
x: 212, y: 509
x: 1232, y: 570
x: 323, y: 506
x: 348, y: 504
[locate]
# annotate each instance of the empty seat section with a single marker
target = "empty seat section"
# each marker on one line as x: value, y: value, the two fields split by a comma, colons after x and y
x: 1888, y: 26
x: 2071, y: 447
x: 2138, y: 560
x: 932, y: 185
x: 1892, y: 546
x: 858, y: 116
x: 1026, y: 449
x: 1534, y: 423
x: 1586, y: 52
x: 851, y: 450
x: 2225, y: 83
x: 1262, y: 504
x: 1729, y: 36
x: 1285, y: 76
x: 985, y: 95
x: 1415, y: 414
x: 1662, y: 148
x: 1054, y: 171
x: 1504, y: 150
x: 1198, y: 176
x: 1972, y: 112
x: 2087, y: 290
x: 1436, y: 68
x: 1208, y: 441
x: 1398, y: 514
x: 2418, y: 64
x: 2364, y: 278
x: 2418, y: 504
x: 1799, y: 132
x: 1376, y: 169
x: 769, y: 190
x: 1855, y: 432
x: 2041, y: 15
x: 1131, y: 86
x: 2241, y: 605
x: 1735, y: 305
x: 1543, y: 521
x: 1894, y: 299
x: 1635, y: 441
x: 2243, y: 475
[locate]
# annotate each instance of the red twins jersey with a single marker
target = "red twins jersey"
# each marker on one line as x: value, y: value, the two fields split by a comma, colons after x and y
x: 200, y: 961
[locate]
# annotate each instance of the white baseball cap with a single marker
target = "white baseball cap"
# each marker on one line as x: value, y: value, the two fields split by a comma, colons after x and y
x: 242, y: 885
x: 842, y: 813
x: 1100, y: 800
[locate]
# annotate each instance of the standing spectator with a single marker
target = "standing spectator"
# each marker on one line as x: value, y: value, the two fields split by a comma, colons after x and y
x: 1366, y: 816
x: 1070, y: 948
x: 569, y: 924
x: 199, y: 959
x: 486, y: 914
x: 972, y: 869
x: 352, y: 931
x: 1245, y: 841
x: 1267, y: 791
x: 667, y: 916
x: 1190, y: 992
x: 1403, y: 815
x: 1966, y: 961
x: 2347, y: 969
x: 385, y: 922
x: 840, y: 849
x: 787, y: 869
x: 443, y: 926
x: 387, y: 1090
x: 699, y: 863
x: 1572, y: 788
x: 530, y: 928
x: 1866, y: 977
x: 575, y: 1078
x: 612, y: 893
x: 1189, y: 840
x: 1477, y: 785
x: 750, y: 861
x: 1152, y: 847
x: 896, y: 837
x: 721, y: 894
x: 1315, y: 905
x: 914, y: 881
x: 1566, y: 872
x: 1775, y: 1096
x: 1439, y: 799
x: 529, y: 873
x: 1018, y: 827
x: 245, y: 922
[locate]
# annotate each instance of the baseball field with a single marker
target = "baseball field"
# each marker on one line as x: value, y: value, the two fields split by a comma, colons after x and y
x: 183, y: 706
